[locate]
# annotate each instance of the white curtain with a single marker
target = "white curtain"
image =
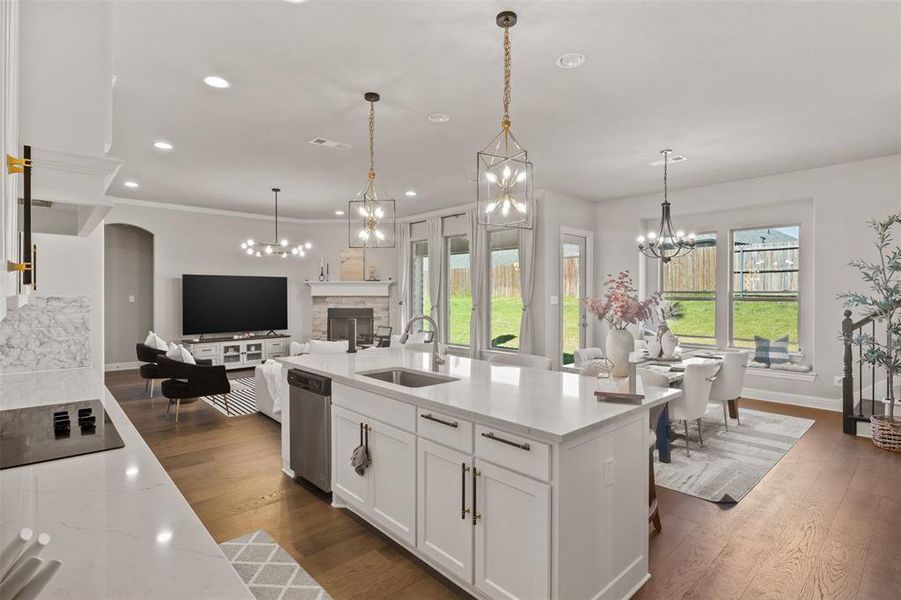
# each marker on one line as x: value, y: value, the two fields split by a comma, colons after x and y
x: 478, y: 261
x: 404, y: 268
x: 527, y: 263
x: 436, y: 267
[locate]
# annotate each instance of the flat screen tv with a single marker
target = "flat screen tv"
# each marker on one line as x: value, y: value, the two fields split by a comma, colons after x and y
x: 233, y: 303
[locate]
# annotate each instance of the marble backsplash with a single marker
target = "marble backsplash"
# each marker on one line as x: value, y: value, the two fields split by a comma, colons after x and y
x: 50, y: 332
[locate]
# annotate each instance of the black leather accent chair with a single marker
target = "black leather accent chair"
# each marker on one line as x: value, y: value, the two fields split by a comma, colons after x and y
x: 150, y: 371
x: 186, y: 382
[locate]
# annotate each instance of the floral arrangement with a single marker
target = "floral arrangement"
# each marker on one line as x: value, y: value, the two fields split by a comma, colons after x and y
x: 671, y: 311
x: 619, y: 305
x: 882, y: 303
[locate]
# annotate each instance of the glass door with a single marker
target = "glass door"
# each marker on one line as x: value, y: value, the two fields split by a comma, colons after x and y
x: 573, y: 278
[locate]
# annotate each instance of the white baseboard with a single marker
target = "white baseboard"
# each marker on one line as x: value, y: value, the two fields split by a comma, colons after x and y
x: 832, y: 404
x: 123, y: 366
x: 864, y: 429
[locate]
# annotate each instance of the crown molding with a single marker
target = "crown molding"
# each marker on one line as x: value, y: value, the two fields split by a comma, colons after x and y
x: 221, y: 212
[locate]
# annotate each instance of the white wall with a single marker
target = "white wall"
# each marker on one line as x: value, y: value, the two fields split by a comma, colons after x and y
x: 209, y: 243
x: 832, y: 203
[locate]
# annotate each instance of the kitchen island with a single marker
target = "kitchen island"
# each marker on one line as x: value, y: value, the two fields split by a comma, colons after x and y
x: 512, y: 482
x: 116, y: 520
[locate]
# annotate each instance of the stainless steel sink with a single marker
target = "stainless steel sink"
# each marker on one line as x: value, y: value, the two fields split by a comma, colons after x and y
x: 408, y: 377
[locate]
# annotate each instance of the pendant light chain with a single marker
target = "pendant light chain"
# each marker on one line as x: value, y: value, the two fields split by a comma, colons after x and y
x: 371, y: 139
x: 505, y: 123
x: 665, y: 188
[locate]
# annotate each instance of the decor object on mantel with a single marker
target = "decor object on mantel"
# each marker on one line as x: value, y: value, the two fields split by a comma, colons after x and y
x: 280, y: 247
x: 504, y: 173
x: 370, y: 219
x: 665, y: 243
x: 352, y: 264
x: 620, y: 307
x: 883, y: 305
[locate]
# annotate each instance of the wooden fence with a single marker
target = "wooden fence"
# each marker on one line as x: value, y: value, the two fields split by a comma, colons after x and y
x: 505, y: 279
x: 756, y: 270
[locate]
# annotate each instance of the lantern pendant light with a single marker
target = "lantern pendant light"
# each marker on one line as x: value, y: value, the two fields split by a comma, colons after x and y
x: 370, y: 219
x: 665, y: 243
x: 280, y: 247
x: 504, y: 173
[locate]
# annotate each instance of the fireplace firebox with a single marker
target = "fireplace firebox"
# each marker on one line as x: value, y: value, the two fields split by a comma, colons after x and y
x: 339, y: 323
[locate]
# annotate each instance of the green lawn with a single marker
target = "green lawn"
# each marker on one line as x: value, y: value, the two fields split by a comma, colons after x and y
x: 771, y: 320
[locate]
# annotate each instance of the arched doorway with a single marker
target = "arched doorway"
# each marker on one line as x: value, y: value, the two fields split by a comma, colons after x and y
x: 128, y: 291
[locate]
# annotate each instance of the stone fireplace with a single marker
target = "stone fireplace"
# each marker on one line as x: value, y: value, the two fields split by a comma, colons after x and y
x: 329, y: 310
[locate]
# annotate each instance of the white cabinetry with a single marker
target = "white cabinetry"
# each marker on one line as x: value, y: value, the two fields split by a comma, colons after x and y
x: 512, y: 534
x: 384, y: 492
x: 239, y: 354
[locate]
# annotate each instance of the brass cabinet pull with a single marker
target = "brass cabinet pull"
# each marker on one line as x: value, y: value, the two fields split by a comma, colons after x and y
x: 431, y: 417
x: 490, y: 435
x: 463, y: 509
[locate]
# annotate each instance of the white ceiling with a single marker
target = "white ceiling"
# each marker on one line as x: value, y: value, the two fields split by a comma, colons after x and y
x: 741, y: 89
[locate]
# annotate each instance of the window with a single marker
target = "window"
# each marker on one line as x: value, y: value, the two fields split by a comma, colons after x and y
x: 689, y: 282
x: 421, y: 304
x: 573, y: 320
x: 765, y: 278
x: 506, y: 301
x: 459, y: 291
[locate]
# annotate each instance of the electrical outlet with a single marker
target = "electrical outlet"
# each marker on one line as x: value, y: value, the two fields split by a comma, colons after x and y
x: 131, y: 299
x: 555, y: 300
x: 608, y: 472
x: 837, y: 381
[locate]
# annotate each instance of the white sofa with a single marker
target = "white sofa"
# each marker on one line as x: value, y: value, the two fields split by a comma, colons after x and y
x: 264, y: 401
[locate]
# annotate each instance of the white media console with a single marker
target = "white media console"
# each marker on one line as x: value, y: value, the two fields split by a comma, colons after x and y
x: 240, y: 353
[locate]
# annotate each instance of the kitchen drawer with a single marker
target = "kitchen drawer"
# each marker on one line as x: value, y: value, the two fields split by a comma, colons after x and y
x: 387, y: 410
x: 276, y: 345
x: 205, y: 350
x: 275, y: 354
x: 514, y: 452
x: 444, y: 429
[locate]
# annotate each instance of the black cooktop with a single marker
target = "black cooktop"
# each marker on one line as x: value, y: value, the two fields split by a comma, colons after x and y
x: 41, y: 433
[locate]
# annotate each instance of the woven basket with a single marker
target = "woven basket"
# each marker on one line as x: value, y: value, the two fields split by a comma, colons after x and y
x: 886, y: 433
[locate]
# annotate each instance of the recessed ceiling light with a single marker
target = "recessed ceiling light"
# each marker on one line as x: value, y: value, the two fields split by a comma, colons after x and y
x: 439, y: 117
x: 295, y: 1
x: 161, y: 145
x: 571, y: 60
x: 131, y: 184
x: 339, y: 212
x: 672, y: 159
x: 410, y: 193
x: 216, y: 81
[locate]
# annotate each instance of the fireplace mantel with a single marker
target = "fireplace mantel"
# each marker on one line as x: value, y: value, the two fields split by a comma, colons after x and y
x: 350, y: 288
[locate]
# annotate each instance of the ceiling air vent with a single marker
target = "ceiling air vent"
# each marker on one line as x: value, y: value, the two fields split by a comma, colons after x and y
x: 672, y: 159
x: 321, y: 141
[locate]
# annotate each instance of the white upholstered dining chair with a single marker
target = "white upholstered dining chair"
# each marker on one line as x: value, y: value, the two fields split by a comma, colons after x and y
x: 696, y: 384
x: 729, y: 381
x: 531, y: 361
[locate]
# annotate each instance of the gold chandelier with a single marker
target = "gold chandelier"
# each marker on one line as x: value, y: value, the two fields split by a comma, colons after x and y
x: 370, y: 219
x: 504, y: 173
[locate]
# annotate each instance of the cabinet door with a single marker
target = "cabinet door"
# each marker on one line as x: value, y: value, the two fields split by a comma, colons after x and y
x: 512, y: 549
x: 353, y: 488
x: 444, y: 498
x: 392, y: 479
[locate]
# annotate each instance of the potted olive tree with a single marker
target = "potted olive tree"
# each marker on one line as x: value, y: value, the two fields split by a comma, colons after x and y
x: 882, y: 303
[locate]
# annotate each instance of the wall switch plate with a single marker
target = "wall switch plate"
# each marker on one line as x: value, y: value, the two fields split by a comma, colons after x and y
x: 608, y: 472
x: 837, y: 381
x: 555, y: 300
x: 131, y: 299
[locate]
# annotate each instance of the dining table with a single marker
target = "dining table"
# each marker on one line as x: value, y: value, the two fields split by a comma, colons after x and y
x: 674, y: 370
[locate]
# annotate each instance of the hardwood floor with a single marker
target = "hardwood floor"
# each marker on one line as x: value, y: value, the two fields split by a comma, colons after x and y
x: 825, y: 522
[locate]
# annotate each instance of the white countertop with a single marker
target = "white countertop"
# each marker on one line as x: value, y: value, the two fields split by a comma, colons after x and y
x: 117, y: 522
x: 547, y: 405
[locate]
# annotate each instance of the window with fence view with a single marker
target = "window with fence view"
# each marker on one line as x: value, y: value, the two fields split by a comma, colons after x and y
x: 459, y: 291
x: 506, y: 302
x: 419, y: 278
x: 765, y: 284
x: 689, y: 283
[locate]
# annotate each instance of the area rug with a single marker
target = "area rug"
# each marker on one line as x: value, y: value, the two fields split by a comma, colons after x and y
x: 241, y: 400
x: 730, y: 463
x: 269, y: 571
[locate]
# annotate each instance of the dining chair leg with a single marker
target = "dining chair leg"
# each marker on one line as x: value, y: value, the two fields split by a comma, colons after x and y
x: 146, y: 385
x: 652, y: 495
x: 700, y: 437
x: 228, y: 414
x: 726, y: 415
x: 177, y: 406
x: 168, y: 405
x: 152, y: 381
x: 737, y: 414
x: 687, y: 447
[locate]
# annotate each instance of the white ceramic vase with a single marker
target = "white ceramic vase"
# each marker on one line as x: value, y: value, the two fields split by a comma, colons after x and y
x: 620, y: 344
x: 654, y: 347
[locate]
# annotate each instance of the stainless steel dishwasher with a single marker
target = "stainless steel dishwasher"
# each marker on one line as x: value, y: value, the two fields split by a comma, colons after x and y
x: 311, y: 427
